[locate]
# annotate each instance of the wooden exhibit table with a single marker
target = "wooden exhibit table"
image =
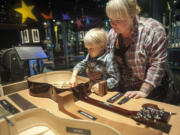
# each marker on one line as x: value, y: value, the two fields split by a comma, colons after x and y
x: 133, y: 104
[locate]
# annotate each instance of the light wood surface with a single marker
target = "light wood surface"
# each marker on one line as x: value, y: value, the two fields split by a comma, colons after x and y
x: 68, y: 106
x: 133, y: 104
x: 40, y: 122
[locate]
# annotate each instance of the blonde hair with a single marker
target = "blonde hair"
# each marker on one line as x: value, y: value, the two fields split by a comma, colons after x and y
x: 95, y: 36
x: 119, y: 9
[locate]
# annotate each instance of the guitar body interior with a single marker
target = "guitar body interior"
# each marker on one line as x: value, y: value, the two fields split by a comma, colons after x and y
x: 50, y: 84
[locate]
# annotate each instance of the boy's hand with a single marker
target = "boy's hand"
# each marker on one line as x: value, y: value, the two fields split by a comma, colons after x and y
x: 95, y: 88
x: 73, y: 82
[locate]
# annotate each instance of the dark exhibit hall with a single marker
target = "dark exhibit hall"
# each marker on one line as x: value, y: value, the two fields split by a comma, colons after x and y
x: 89, y: 67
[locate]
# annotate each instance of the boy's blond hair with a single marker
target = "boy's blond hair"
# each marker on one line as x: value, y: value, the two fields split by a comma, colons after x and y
x: 95, y: 36
x: 120, y: 9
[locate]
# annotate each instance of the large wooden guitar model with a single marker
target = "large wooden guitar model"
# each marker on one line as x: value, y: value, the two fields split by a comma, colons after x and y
x: 149, y: 115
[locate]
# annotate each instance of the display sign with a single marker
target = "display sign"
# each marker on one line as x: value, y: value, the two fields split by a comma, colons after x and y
x: 31, y: 52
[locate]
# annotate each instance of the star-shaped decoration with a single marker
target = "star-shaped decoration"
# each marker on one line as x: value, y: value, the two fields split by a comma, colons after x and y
x: 26, y: 12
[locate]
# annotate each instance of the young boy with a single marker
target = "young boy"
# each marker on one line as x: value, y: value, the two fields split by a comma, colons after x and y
x: 97, y: 60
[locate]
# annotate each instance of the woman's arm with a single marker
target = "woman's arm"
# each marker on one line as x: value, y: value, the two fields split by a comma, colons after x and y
x: 157, y: 59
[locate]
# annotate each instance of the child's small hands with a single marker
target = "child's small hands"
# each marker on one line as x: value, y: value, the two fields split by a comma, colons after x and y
x: 73, y: 81
x: 95, y: 88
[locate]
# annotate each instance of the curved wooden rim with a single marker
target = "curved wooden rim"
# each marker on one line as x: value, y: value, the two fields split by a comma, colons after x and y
x: 54, y: 72
x: 33, y: 78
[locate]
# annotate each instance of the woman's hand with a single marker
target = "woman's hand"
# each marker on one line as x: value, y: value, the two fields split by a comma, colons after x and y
x: 95, y: 76
x: 95, y: 88
x: 135, y: 94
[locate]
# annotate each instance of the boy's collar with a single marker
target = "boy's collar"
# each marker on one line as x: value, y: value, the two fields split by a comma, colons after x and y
x: 101, y: 54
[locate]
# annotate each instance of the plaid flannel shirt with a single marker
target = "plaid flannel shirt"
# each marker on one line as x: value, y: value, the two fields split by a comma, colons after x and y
x: 104, y: 64
x: 147, y: 54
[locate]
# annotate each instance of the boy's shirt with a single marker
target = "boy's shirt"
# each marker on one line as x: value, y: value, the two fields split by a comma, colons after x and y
x: 104, y: 64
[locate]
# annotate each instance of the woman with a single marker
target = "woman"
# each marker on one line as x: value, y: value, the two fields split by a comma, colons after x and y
x: 139, y: 47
